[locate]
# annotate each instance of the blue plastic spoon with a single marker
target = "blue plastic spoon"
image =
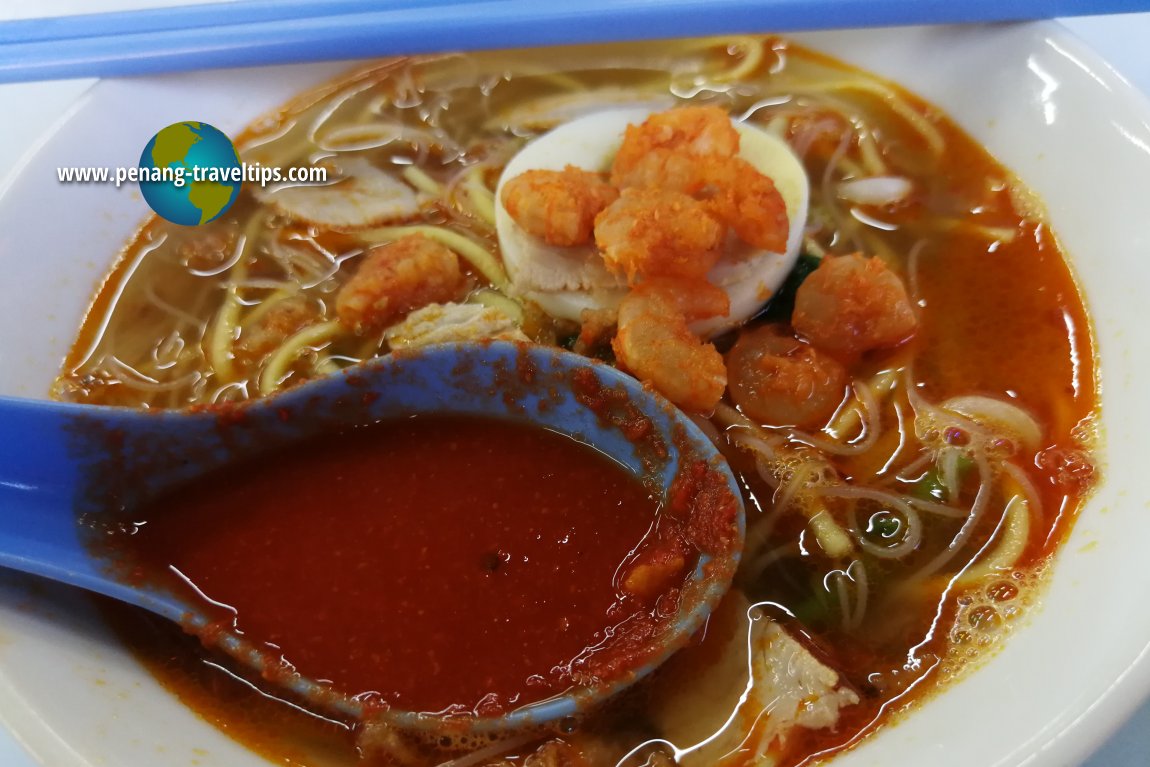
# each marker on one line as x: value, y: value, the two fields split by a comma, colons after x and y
x: 60, y: 463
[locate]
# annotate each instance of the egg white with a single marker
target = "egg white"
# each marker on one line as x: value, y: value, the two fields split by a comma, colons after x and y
x: 565, y: 281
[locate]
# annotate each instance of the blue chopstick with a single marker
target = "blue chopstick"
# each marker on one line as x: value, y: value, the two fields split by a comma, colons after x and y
x: 54, y: 28
x: 260, y: 34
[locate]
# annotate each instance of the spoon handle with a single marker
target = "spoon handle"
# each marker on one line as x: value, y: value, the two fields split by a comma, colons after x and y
x: 38, y: 527
x: 50, y: 465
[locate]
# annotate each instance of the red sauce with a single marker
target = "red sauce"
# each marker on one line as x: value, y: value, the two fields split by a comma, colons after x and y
x: 439, y: 563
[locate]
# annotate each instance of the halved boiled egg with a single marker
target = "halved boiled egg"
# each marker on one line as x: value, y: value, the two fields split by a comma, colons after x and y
x: 566, y: 280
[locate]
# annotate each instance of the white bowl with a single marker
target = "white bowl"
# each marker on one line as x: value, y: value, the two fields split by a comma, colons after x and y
x: 1046, y: 107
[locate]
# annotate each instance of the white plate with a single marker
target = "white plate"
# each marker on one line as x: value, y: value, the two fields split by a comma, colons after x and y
x: 1045, y: 106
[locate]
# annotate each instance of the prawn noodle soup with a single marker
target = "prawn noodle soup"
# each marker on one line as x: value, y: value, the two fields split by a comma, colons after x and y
x: 910, y: 415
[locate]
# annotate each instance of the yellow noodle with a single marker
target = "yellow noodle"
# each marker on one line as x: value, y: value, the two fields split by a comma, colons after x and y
x: 559, y: 80
x: 222, y: 334
x: 752, y: 48
x: 481, y: 198
x: 871, y: 156
x: 877, y: 247
x: 421, y: 181
x: 917, y: 121
x: 368, y: 349
x: 778, y: 126
x: 993, y: 233
x: 1013, y: 533
x: 496, y: 300
x: 848, y: 168
x: 326, y: 366
x: 850, y: 418
x: 810, y: 245
x: 260, y: 310
x: 277, y: 366
x: 1012, y: 542
x: 833, y: 539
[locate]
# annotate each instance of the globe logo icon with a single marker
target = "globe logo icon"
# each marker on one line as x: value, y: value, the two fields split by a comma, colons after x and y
x: 192, y: 173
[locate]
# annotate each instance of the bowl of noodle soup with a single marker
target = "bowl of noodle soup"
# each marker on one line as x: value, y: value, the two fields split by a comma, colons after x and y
x: 949, y: 542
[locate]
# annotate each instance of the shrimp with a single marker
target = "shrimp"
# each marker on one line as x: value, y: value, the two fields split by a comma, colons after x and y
x: 656, y: 345
x: 397, y: 278
x: 852, y: 304
x: 286, y: 317
x: 558, y: 206
x: 694, y: 151
x: 656, y: 233
x: 747, y: 201
x: 667, y: 149
x: 778, y: 380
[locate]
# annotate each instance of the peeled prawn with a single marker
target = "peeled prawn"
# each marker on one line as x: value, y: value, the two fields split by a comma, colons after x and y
x: 747, y: 201
x: 397, y: 278
x: 778, y: 380
x: 558, y: 206
x: 852, y: 304
x: 669, y: 148
x: 655, y: 233
x: 694, y: 151
x: 655, y: 343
